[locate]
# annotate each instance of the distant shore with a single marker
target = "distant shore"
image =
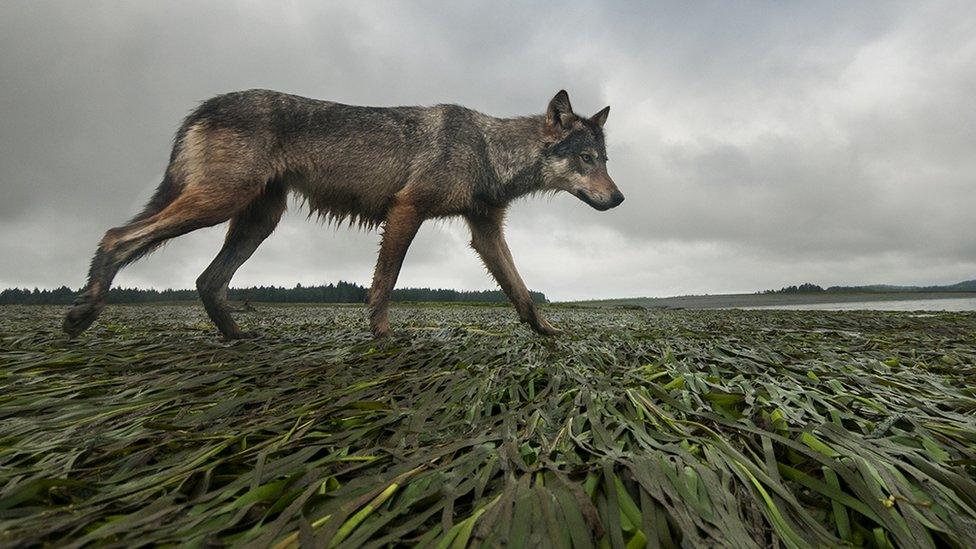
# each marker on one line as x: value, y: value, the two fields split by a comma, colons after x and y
x: 725, y: 301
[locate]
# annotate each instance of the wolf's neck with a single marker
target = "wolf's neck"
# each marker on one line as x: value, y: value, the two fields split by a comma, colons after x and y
x: 514, y: 152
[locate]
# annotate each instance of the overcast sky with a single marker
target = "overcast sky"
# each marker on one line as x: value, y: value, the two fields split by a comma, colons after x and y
x: 758, y: 144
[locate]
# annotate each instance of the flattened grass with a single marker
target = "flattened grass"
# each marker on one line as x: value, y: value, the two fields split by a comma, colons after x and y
x: 663, y: 428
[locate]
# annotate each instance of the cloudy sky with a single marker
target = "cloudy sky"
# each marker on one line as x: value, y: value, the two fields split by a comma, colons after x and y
x: 758, y: 144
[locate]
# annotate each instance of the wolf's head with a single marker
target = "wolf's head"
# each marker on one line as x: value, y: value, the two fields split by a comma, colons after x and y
x: 575, y: 155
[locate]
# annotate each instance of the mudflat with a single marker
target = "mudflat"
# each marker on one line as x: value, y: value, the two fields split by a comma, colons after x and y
x: 693, y: 428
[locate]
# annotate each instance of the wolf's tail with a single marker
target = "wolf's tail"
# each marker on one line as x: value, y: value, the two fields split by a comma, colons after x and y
x: 165, y: 194
x: 167, y: 191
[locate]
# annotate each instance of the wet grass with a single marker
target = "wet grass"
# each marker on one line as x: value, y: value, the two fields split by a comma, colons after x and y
x: 664, y: 428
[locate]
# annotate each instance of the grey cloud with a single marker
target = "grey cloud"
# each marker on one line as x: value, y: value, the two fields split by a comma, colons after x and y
x: 757, y: 144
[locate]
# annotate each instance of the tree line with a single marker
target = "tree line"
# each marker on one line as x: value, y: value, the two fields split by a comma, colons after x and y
x: 341, y: 292
x: 805, y: 288
x: 810, y: 288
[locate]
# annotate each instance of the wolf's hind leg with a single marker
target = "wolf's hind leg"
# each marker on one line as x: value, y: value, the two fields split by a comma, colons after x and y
x: 247, y: 231
x: 487, y: 238
x: 401, y: 225
x: 194, y: 209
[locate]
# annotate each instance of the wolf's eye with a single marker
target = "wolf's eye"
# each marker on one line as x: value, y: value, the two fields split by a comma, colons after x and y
x: 586, y: 158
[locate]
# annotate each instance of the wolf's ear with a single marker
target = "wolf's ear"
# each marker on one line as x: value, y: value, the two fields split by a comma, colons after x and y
x: 560, y: 112
x: 600, y: 118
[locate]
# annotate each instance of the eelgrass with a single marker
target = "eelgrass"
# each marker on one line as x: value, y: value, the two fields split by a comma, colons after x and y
x: 665, y: 428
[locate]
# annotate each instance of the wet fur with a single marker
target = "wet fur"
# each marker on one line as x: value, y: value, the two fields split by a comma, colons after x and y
x: 238, y: 156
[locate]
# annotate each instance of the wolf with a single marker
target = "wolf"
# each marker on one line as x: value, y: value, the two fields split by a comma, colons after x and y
x: 238, y: 156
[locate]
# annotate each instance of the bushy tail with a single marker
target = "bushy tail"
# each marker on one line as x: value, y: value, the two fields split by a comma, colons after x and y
x: 165, y: 194
x: 172, y: 185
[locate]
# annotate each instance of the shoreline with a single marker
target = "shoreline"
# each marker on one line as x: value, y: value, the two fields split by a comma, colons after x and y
x: 731, y: 301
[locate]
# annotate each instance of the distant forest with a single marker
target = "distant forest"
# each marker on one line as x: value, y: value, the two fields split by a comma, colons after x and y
x: 805, y: 288
x: 343, y: 292
x: 808, y: 288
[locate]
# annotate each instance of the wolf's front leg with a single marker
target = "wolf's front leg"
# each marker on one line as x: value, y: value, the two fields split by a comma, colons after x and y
x: 487, y: 238
x: 401, y: 225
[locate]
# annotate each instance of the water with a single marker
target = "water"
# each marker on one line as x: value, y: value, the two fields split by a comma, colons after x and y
x: 963, y: 304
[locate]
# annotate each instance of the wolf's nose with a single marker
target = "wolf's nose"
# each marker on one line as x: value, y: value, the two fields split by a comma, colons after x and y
x: 616, y: 198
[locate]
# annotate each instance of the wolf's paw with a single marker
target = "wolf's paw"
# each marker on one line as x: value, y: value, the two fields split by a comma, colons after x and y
x: 81, y: 316
x: 541, y: 326
x: 380, y: 328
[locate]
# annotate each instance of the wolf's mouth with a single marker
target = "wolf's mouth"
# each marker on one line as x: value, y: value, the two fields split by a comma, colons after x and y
x: 582, y: 195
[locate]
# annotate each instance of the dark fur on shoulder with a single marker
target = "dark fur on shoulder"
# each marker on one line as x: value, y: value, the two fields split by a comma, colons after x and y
x: 239, y: 155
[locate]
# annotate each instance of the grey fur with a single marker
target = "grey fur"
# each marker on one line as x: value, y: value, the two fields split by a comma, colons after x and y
x: 238, y: 155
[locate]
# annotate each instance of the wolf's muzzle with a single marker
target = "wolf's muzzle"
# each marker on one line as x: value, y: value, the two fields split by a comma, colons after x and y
x: 616, y: 198
x: 601, y: 203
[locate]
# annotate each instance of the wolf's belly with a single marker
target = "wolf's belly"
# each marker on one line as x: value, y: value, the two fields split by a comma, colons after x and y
x: 361, y: 197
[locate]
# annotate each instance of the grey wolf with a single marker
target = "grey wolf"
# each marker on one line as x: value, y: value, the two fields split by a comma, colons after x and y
x: 238, y: 156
